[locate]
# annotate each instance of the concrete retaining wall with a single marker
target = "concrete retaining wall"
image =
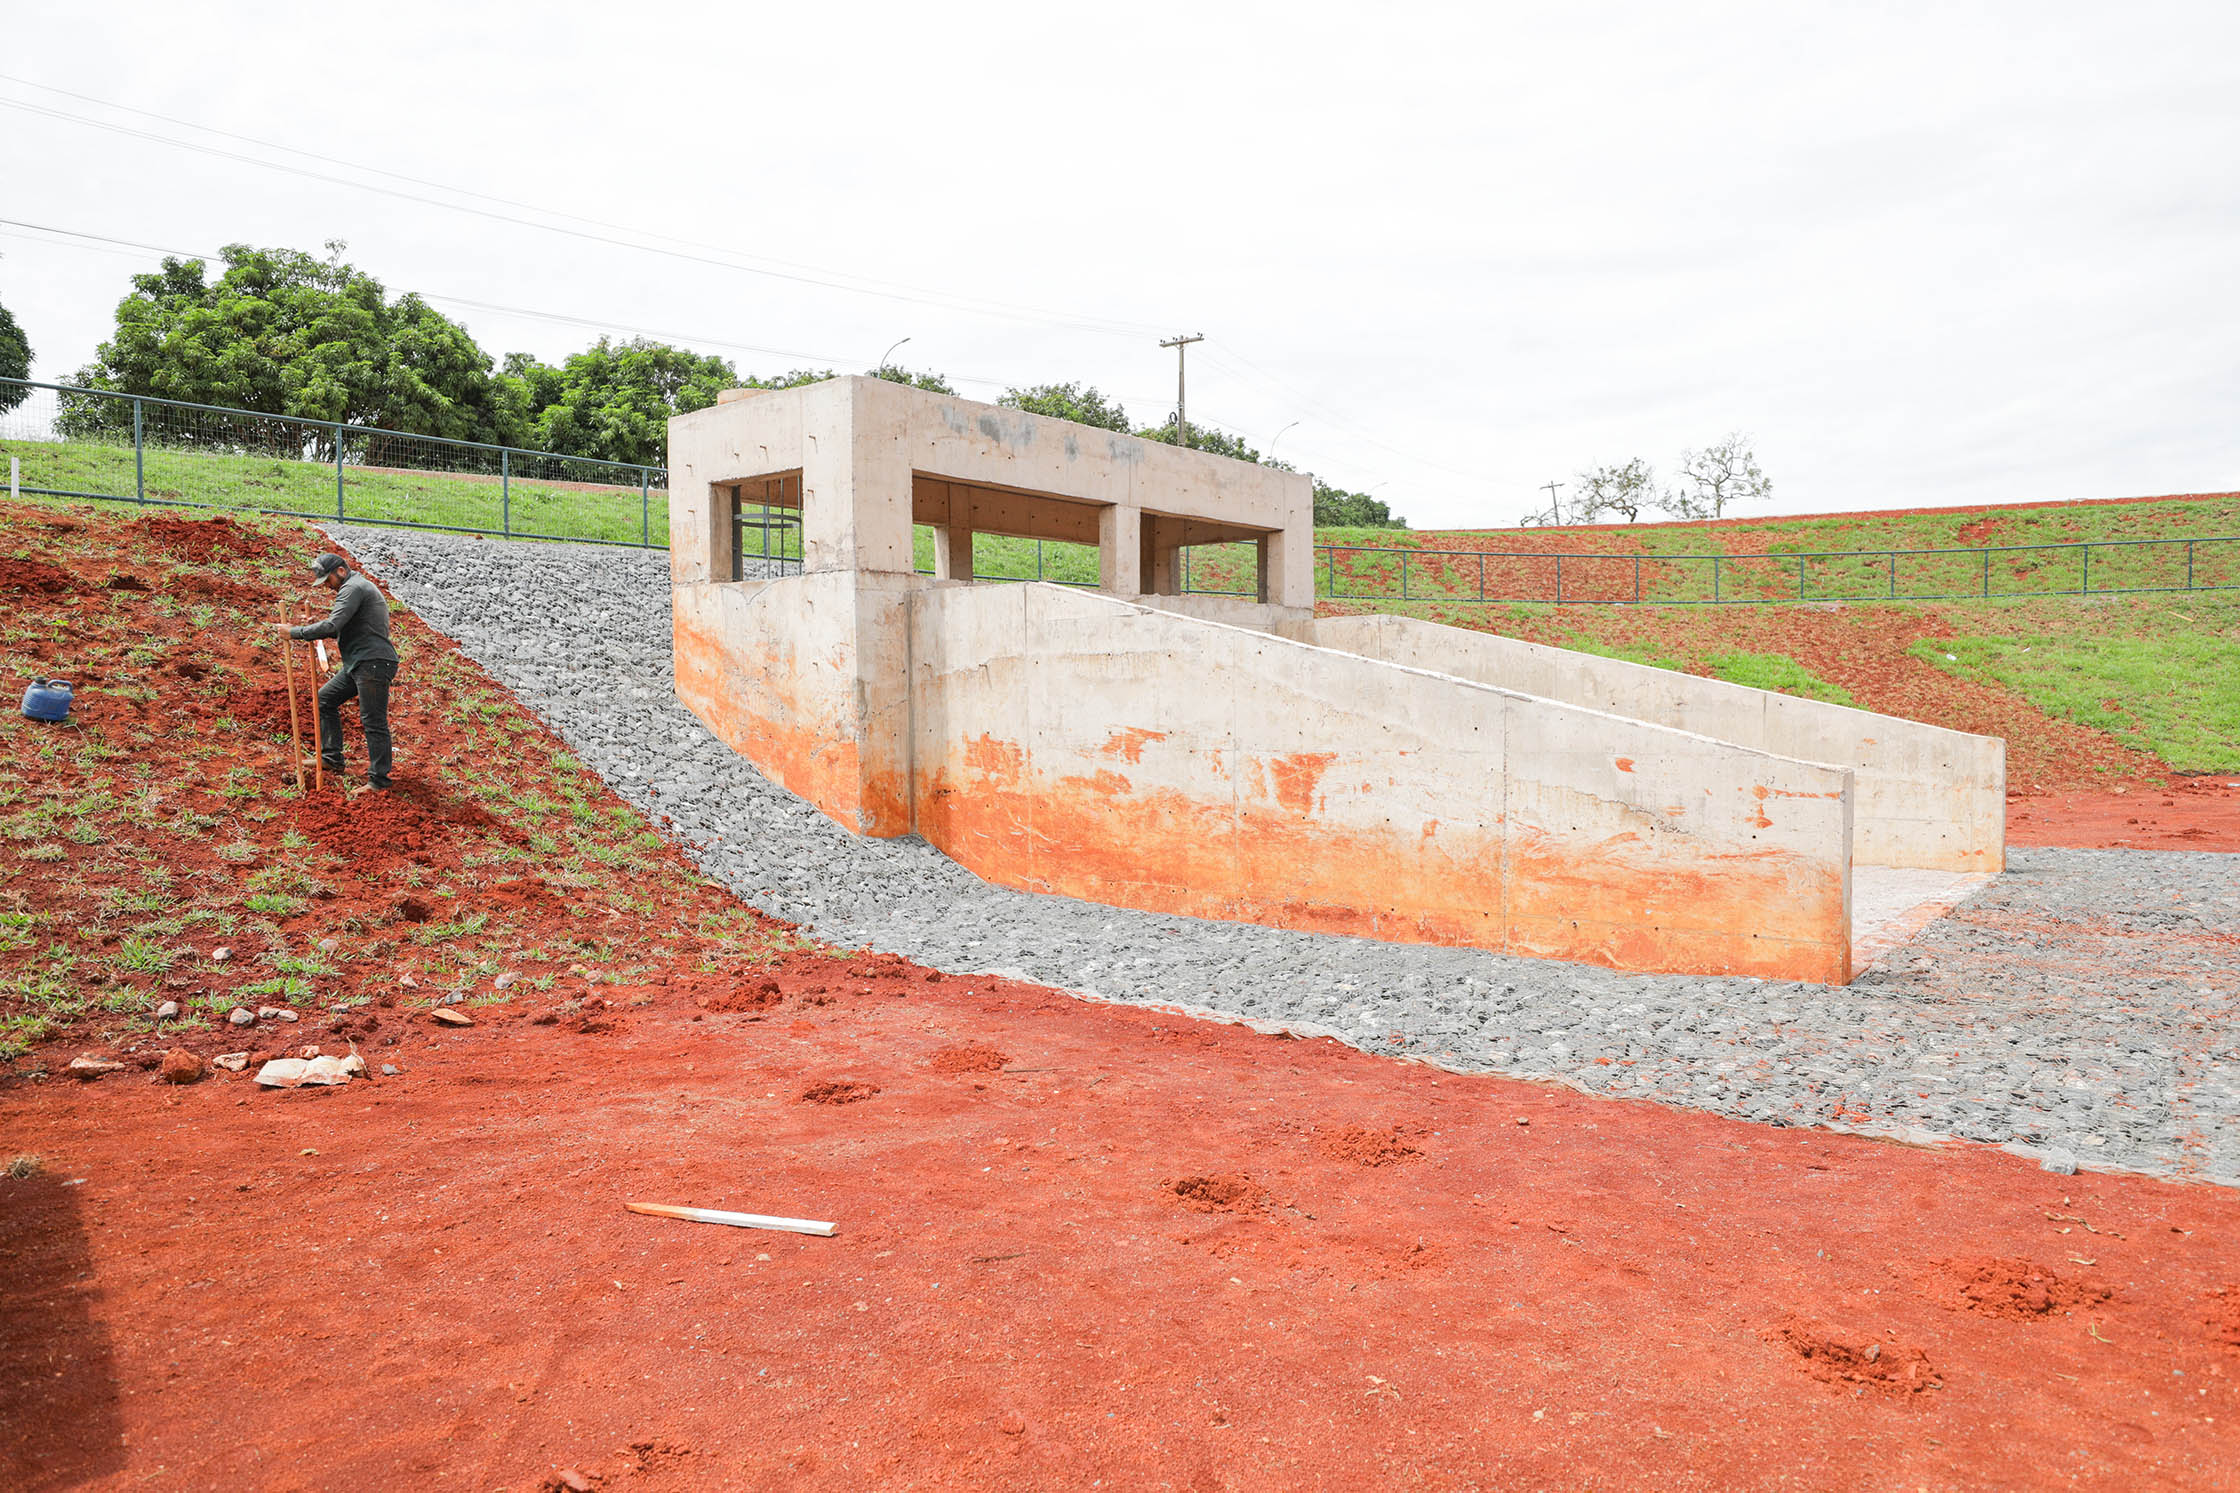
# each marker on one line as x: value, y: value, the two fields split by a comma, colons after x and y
x: 1927, y: 797
x: 1066, y: 742
x: 805, y: 677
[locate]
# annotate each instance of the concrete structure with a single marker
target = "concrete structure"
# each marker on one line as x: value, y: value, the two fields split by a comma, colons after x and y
x: 1242, y: 759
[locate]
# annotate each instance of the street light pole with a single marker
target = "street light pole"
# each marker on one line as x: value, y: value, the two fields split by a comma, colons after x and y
x: 1279, y: 436
x: 1554, y: 511
x: 886, y: 355
x: 1181, y: 389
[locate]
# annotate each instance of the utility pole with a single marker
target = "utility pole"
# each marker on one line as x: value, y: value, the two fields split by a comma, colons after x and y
x: 1181, y: 388
x: 1553, y: 511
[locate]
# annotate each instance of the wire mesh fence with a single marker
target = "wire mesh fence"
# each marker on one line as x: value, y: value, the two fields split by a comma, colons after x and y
x: 69, y: 442
x: 88, y: 443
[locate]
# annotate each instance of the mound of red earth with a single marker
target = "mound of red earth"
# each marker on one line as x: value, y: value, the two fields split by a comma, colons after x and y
x: 2017, y: 1290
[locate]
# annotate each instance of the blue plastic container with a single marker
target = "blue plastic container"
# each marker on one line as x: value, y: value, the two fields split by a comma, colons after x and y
x: 47, y: 700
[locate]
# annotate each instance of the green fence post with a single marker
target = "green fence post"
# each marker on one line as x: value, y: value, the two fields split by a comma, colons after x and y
x: 338, y: 472
x: 1637, y: 580
x: 1800, y: 577
x: 1559, y: 580
x: 505, y: 491
x: 1987, y: 575
x: 2086, y: 588
x: 139, y: 459
x: 1893, y: 575
x: 2189, y: 565
x: 645, y: 513
x: 1715, y: 577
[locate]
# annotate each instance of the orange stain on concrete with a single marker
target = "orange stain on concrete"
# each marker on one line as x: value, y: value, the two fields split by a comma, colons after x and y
x: 1297, y: 776
x: 1619, y: 901
x: 1625, y: 764
x: 1129, y: 744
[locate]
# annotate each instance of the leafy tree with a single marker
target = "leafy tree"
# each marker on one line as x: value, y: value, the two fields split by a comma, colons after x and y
x: 1721, y: 473
x: 1623, y: 489
x: 613, y: 400
x: 283, y: 333
x: 15, y: 359
x: 1335, y: 508
x: 1083, y: 406
x: 1204, y: 438
x: 933, y: 383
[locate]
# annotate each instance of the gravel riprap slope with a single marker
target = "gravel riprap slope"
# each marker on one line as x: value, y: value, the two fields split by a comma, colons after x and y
x: 2082, y: 1008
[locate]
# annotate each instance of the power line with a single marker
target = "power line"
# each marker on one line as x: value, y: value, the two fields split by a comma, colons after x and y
x: 732, y: 260
x: 122, y: 245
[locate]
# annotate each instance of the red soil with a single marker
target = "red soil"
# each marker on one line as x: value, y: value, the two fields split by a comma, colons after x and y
x: 1139, y: 1266
x: 2188, y: 813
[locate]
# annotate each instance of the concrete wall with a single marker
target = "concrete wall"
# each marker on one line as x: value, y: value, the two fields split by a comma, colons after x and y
x: 1065, y: 742
x: 807, y: 678
x: 1927, y: 797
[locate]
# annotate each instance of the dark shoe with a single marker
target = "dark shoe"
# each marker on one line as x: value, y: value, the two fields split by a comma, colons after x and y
x: 332, y: 764
x: 383, y: 784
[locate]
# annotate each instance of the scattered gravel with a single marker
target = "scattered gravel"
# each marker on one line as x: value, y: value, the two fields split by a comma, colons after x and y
x: 2081, y: 1009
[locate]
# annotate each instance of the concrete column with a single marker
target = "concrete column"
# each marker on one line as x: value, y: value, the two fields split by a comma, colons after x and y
x: 1162, y: 557
x: 1120, y: 551
x: 952, y: 553
x: 1287, y: 568
x: 1260, y: 558
x: 855, y: 479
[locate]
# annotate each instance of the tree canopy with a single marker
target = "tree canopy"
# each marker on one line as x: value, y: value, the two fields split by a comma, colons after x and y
x: 15, y: 359
x: 613, y: 400
x: 283, y: 333
x: 1336, y: 508
x: 1075, y: 402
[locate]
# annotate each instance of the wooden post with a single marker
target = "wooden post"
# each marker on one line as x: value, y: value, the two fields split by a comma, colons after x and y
x: 295, y: 717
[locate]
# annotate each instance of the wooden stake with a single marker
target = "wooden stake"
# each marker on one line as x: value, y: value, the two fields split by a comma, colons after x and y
x: 295, y: 717
x: 736, y: 1220
x: 318, y: 751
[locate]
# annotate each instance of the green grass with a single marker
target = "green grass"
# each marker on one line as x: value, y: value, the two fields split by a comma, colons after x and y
x: 2170, y: 692
x: 581, y: 509
x: 1776, y: 671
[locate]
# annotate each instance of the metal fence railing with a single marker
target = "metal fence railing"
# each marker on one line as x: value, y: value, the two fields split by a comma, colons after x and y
x: 90, y: 443
x: 70, y: 442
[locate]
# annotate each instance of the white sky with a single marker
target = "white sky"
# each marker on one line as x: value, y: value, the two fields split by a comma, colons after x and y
x: 1921, y: 253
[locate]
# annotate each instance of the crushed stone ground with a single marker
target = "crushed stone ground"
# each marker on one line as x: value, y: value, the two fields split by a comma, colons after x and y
x: 2081, y: 1009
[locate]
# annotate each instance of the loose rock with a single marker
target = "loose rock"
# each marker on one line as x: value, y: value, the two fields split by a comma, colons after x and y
x: 232, y: 1062
x: 296, y: 1073
x: 505, y: 980
x: 182, y: 1066
x: 90, y: 1067
x: 220, y: 956
x: 167, y: 1010
x: 452, y: 1018
x: 243, y: 1016
x: 276, y: 1013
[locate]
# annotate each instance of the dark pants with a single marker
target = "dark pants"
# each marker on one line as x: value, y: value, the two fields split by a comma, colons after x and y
x: 369, y: 684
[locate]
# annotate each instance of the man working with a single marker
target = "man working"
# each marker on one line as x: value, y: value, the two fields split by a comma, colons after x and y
x: 359, y: 624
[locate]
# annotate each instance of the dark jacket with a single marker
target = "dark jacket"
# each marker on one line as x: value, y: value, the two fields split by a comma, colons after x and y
x: 359, y: 623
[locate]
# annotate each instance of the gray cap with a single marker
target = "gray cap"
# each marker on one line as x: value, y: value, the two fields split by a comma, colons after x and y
x: 326, y: 565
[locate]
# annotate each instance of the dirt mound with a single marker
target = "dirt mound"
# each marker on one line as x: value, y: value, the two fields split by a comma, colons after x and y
x: 1885, y: 1367
x: 198, y: 540
x: 217, y: 588
x: 2016, y: 1290
x: 743, y: 995
x: 968, y: 1057
x: 2224, y: 1318
x: 1223, y: 1192
x: 380, y: 830
x: 38, y: 578
x: 527, y: 893
x: 1366, y: 1147
x: 838, y: 1091
x: 124, y: 580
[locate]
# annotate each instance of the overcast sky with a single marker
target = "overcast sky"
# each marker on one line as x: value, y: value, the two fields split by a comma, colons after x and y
x: 1920, y: 253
